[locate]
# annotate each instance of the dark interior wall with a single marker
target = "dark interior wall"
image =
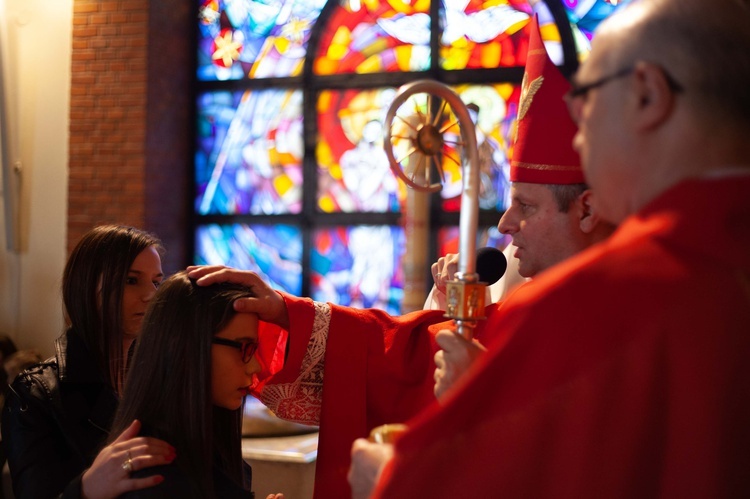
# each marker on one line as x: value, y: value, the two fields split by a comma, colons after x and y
x: 169, y: 126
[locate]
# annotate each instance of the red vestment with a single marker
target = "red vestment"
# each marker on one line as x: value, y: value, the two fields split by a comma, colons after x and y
x: 625, y: 373
x: 378, y: 369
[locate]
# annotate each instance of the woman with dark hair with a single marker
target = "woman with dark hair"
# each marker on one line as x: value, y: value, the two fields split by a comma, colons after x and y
x: 192, y: 368
x: 58, y: 413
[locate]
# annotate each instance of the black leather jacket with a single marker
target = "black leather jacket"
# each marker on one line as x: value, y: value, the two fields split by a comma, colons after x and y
x: 56, y: 418
x: 176, y: 484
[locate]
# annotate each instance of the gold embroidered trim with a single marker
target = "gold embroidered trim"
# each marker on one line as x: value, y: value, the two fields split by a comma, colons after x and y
x: 535, y: 166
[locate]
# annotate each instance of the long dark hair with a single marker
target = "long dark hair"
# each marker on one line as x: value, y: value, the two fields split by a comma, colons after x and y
x: 169, y: 383
x: 92, y: 290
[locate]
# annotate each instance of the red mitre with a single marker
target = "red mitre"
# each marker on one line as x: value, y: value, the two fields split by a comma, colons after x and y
x: 543, y: 151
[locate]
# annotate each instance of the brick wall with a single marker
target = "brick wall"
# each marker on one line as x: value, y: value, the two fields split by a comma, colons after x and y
x: 107, y: 114
x: 129, y: 132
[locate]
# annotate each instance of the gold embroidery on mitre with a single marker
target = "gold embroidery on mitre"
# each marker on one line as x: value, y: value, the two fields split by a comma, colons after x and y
x: 528, y: 90
x: 537, y: 166
x: 527, y: 94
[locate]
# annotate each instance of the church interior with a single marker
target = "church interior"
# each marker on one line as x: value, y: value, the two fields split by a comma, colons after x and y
x: 251, y: 134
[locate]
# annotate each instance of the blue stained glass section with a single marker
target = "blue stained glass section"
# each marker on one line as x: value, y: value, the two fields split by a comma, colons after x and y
x: 586, y: 15
x: 359, y: 266
x: 272, y: 251
x: 249, y: 152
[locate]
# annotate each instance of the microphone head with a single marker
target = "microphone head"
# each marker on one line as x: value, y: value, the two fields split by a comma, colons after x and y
x: 491, y: 264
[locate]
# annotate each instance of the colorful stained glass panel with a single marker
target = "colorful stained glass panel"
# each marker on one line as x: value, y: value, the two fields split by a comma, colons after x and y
x: 249, y: 152
x: 239, y: 39
x: 353, y: 171
x: 272, y: 251
x: 359, y: 266
x: 478, y: 35
x: 585, y: 16
x: 374, y: 36
x: 493, y: 109
x: 448, y: 239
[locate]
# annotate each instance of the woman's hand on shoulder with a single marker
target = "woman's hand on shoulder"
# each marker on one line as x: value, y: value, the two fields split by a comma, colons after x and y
x: 267, y: 304
x: 109, y: 474
x: 275, y: 496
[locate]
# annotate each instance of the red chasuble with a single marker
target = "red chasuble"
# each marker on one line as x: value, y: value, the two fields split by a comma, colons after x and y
x: 362, y: 370
x: 626, y: 372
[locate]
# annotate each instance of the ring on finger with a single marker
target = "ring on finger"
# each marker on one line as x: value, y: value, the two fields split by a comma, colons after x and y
x: 128, y: 464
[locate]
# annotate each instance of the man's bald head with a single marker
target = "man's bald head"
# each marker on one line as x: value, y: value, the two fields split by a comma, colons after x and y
x: 703, y: 46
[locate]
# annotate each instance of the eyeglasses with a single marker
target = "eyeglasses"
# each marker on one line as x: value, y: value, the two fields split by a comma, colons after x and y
x: 581, y: 91
x: 247, y: 348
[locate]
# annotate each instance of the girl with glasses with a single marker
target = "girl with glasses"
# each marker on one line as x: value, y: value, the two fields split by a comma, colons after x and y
x: 192, y: 368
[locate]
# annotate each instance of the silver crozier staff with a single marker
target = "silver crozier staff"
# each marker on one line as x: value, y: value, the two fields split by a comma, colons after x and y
x: 425, y: 146
x: 465, y: 293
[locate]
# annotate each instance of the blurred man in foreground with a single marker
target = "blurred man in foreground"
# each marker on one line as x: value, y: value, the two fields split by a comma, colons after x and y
x: 625, y: 373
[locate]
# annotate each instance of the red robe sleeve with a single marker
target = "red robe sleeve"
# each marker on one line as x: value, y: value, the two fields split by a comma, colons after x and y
x: 348, y: 371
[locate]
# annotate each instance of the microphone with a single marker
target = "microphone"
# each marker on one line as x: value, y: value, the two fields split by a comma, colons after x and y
x: 491, y: 264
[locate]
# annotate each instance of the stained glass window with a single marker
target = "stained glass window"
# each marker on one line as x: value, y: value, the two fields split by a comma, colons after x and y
x: 366, y: 36
x: 354, y: 174
x: 486, y: 236
x: 585, y: 16
x: 359, y: 266
x: 249, y: 152
x: 254, y: 38
x: 493, y: 109
x: 478, y: 34
x: 290, y: 175
x: 273, y: 251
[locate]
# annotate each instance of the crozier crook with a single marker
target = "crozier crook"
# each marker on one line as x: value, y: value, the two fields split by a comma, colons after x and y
x: 424, y: 144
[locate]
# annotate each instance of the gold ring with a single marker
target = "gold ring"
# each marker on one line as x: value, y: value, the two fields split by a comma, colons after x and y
x: 128, y: 464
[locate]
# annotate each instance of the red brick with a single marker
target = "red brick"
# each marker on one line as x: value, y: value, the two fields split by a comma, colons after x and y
x: 134, y: 29
x: 139, y: 17
x: 98, y: 19
x: 97, y: 66
x: 118, y: 18
x: 83, y: 55
x: 109, y: 6
x: 108, y: 30
x: 135, y: 6
x: 84, y: 31
x: 80, y: 21
x: 99, y: 42
x: 80, y: 7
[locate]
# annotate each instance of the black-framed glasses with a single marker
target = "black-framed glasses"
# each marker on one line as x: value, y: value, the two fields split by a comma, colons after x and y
x: 246, y: 348
x: 582, y: 90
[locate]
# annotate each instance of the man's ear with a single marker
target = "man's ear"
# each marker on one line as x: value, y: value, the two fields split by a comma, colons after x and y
x: 588, y: 218
x: 653, y: 97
